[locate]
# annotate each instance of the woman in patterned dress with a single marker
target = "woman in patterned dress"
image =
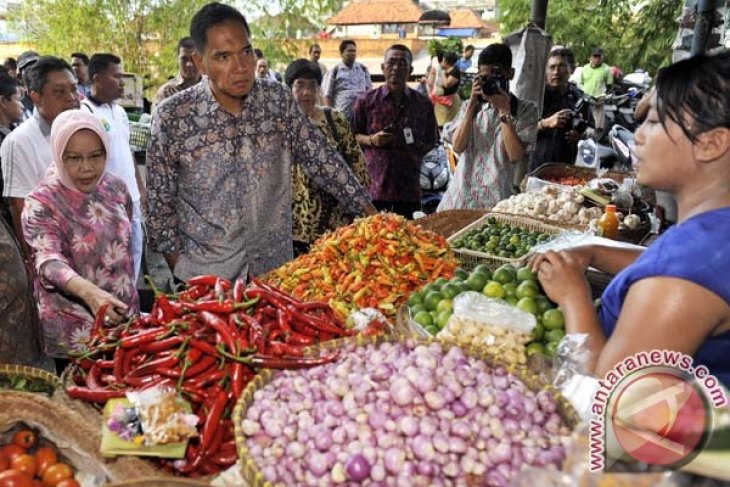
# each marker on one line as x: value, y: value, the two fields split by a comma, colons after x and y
x: 315, y: 212
x: 77, y: 223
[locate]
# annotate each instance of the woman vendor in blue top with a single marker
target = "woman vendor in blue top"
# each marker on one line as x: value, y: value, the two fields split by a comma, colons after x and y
x: 675, y: 295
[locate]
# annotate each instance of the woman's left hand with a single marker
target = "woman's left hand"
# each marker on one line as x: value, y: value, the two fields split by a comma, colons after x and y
x: 562, y: 277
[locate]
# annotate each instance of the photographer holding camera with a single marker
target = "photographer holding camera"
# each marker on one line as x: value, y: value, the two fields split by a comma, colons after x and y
x: 565, y: 116
x: 492, y: 133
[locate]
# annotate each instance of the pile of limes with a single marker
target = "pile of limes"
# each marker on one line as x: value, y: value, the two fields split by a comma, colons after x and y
x: 432, y: 306
x: 500, y: 239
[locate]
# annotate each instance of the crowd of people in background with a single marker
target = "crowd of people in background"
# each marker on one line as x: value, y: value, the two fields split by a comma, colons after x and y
x: 245, y: 167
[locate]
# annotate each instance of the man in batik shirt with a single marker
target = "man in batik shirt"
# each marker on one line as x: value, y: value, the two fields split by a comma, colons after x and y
x: 221, y: 156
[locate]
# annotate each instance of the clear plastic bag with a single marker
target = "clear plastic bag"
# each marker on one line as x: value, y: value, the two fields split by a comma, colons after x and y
x: 163, y: 416
x: 490, y: 324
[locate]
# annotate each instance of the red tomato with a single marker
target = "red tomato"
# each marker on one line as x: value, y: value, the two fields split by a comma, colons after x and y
x: 25, y: 439
x: 11, y: 451
x: 68, y: 483
x: 56, y: 473
x: 14, y: 478
x: 4, y: 463
x: 44, y: 458
x: 24, y: 463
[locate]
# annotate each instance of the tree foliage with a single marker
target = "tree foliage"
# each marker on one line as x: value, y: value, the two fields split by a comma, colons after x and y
x: 633, y: 34
x: 144, y: 33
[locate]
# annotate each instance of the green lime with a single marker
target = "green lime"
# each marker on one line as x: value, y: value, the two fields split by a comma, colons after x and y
x: 543, y: 304
x: 535, y: 347
x: 415, y: 299
x: 554, y: 335
x: 417, y: 308
x: 461, y: 274
x: 493, y: 289
x: 528, y: 305
x: 445, y: 305
x: 431, y: 330
x: 432, y: 300
x: 553, y: 319
x: 463, y: 287
x: 477, y: 281
x: 510, y: 289
x: 538, y: 333
x: 511, y: 300
x: 543, y: 237
x: 483, y: 269
x: 551, y: 349
x: 423, y: 318
x: 515, y: 240
x: 440, y: 282
x: 443, y: 318
x: 527, y: 289
x: 505, y: 273
x: 525, y: 274
x: 450, y: 290
x: 427, y: 289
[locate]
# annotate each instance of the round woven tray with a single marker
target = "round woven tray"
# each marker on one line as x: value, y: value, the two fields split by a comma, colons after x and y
x: 449, y: 222
x: 556, y: 170
x: 253, y: 475
x: 30, y: 373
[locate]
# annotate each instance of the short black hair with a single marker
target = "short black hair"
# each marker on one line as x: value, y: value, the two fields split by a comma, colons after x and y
x: 451, y: 57
x: 36, y: 76
x: 496, y: 54
x: 259, y: 54
x: 209, y: 16
x: 185, y: 43
x: 8, y: 86
x: 100, y: 62
x: 302, y: 69
x: 10, y: 63
x: 697, y: 89
x: 564, y: 53
x: 311, y: 48
x: 345, y: 43
x: 81, y: 56
x: 469, y: 47
x: 401, y: 48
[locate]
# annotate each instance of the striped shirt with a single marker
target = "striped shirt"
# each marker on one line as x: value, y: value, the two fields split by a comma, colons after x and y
x: 484, y: 173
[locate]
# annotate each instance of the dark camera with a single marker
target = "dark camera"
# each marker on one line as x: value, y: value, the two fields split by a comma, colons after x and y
x: 494, y: 83
x: 577, y: 123
x: 389, y: 129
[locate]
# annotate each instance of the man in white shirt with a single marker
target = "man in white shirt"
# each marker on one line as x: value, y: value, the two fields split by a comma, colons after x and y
x: 26, y: 152
x: 107, y: 85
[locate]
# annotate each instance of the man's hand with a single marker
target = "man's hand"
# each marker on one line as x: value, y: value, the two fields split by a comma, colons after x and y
x: 477, y: 97
x: 500, y: 102
x: 556, y: 120
x: 381, y: 139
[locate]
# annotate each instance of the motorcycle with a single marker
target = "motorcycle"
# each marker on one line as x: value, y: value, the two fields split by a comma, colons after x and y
x: 434, y: 178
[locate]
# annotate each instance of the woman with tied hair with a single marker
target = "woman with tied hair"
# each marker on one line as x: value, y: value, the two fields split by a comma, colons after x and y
x: 315, y: 212
x: 675, y: 295
x: 77, y: 224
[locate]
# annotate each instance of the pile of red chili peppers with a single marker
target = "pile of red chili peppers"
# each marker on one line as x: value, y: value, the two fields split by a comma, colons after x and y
x: 207, y: 341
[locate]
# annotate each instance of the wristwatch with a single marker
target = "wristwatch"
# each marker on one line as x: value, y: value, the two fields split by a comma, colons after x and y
x: 507, y: 118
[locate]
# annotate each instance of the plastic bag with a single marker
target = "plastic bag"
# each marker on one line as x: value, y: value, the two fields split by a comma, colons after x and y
x: 570, y: 373
x: 163, y: 416
x: 490, y: 324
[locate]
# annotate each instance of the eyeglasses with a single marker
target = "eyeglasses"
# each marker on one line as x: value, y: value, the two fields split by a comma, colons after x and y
x: 74, y: 161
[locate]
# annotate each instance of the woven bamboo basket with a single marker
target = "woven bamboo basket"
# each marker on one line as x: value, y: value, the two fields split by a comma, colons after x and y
x: 158, y: 482
x: 449, y: 222
x: 471, y: 258
x: 253, y: 475
x: 27, y: 372
x: 549, y: 172
x: 74, y: 435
